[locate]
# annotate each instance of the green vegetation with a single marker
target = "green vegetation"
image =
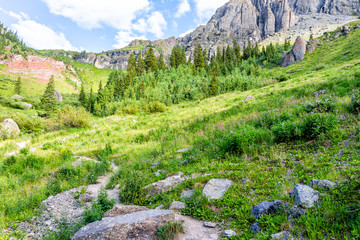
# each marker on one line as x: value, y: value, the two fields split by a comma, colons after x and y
x: 285, y: 136
x: 169, y: 231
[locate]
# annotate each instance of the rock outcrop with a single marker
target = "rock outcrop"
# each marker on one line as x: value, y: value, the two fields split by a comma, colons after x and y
x: 216, y: 188
x: 334, y: 7
x: 9, y: 128
x: 164, y: 185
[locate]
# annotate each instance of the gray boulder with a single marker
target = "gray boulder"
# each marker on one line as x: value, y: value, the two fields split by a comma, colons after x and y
x: 164, y: 185
x: 305, y: 196
x: 296, y: 212
x: 265, y: 208
x: 209, y: 224
x: 249, y: 98
x: 282, y: 236
x: 15, y: 96
x: 177, y: 205
x: 325, y: 184
x: 182, y: 150
x: 26, y: 105
x: 216, y: 188
x: 228, y: 234
x: 58, y: 96
x: 136, y: 225
x: 10, y: 128
x: 187, y: 194
x: 255, y: 228
x: 296, y: 54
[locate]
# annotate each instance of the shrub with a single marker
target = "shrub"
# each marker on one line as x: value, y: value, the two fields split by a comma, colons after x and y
x: 322, y: 105
x: 74, y: 117
x: 169, y: 231
x: 154, y: 107
x: 98, y: 208
x: 132, y: 109
x: 354, y: 106
x: 286, y: 131
x: 282, y: 78
x: 131, y: 185
x: 317, y: 124
x: 29, y: 124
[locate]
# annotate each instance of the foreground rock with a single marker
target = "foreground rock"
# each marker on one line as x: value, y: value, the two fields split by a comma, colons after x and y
x: 10, y: 128
x: 164, y: 185
x: 136, y: 225
x: 325, y: 184
x: 305, y: 196
x: 216, y: 188
x: 265, y: 208
x: 296, y: 54
x: 282, y: 236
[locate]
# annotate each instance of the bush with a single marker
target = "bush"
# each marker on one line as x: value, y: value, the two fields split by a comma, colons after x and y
x: 286, y: 131
x: 132, y: 183
x: 74, y: 117
x: 169, y: 231
x: 154, y: 107
x: 354, y: 106
x: 322, y: 105
x: 29, y: 124
x: 132, y: 109
x: 96, y: 211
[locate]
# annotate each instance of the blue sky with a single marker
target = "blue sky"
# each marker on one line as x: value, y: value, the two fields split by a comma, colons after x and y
x: 100, y: 25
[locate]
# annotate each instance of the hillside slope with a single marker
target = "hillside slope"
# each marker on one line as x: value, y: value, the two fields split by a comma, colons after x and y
x: 302, y: 128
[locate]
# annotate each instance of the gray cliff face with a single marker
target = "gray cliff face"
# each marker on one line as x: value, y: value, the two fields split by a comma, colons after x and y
x: 237, y: 19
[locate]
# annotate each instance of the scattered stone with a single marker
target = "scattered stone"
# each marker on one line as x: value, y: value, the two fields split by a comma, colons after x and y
x: 216, y: 188
x: 209, y: 224
x: 325, y: 184
x: 15, y: 96
x: 228, y: 234
x: 155, y: 165
x: 249, y: 98
x: 144, y: 224
x: 255, y: 228
x: 343, y: 117
x: 296, y: 212
x: 244, y: 180
x: 177, y: 205
x: 338, y: 34
x: 187, y: 194
x: 26, y: 105
x: 346, y: 30
x: 318, y: 93
x: 265, y: 208
x: 183, y: 150
x: 58, y: 96
x: 119, y: 210
x: 164, y: 185
x: 195, y: 230
x: 285, y: 235
x: 11, y: 128
x: 159, y: 172
x: 305, y: 196
x: 357, y: 26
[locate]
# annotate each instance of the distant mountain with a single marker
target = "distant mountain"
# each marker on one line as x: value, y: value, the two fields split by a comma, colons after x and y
x: 237, y: 19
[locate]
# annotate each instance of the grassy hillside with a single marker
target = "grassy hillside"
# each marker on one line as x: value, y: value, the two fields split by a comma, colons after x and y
x: 265, y: 146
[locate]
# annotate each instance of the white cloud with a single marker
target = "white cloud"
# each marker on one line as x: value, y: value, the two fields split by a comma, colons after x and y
x: 155, y: 24
x: 123, y: 38
x: 206, y: 8
x: 90, y: 14
x: 39, y: 36
x: 186, y: 33
x: 183, y: 8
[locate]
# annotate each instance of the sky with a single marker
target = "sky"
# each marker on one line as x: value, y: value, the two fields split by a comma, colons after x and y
x: 101, y: 25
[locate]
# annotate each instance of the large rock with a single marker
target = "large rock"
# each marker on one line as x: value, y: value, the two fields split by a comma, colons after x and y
x: 288, y: 60
x: 164, y: 185
x: 296, y: 54
x: 325, y: 184
x: 216, y: 188
x: 305, y: 196
x: 265, y: 208
x: 137, y: 225
x: 15, y: 96
x: 58, y: 96
x: 10, y: 128
x: 334, y: 7
x: 26, y: 105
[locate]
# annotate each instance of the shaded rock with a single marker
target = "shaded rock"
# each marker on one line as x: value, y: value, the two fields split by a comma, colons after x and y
x: 296, y: 212
x: 249, y: 98
x: 338, y: 34
x: 209, y: 224
x: 357, y: 26
x: 216, y: 188
x: 325, y: 184
x: 58, y: 96
x: 228, y: 234
x: 183, y: 150
x: 288, y: 60
x: 15, y: 96
x: 120, y: 210
x: 255, y: 228
x: 10, y: 128
x: 318, y: 93
x: 177, y: 205
x: 299, y: 49
x: 282, y: 236
x: 305, y: 196
x: 164, y: 185
x: 187, y: 194
x: 136, y: 225
x: 265, y: 208
x: 155, y: 165
x: 345, y: 30
x: 310, y: 48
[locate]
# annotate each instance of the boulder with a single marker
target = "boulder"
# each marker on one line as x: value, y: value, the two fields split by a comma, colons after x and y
x: 11, y: 129
x: 310, y: 48
x: 136, y: 225
x: 325, y: 184
x: 209, y: 224
x: 285, y: 235
x: 187, y: 194
x: 296, y: 212
x: 15, y: 96
x: 177, y: 205
x: 119, y: 210
x: 159, y: 172
x: 305, y: 196
x: 299, y: 49
x: 26, y: 105
x: 183, y: 150
x: 249, y: 98
x: 288, y: 60
x: 58, y: 96
x: 345, y: 30
x: 216, y: 188
x: 265, y: 208
x: 228, y: 234
x: 255, y: 228
x: 155, y: 165
x: 164, y: 185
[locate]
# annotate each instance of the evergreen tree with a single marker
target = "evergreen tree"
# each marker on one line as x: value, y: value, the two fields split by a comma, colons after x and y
x: 82, y: 96
x: 17, y: 89
x: 48, y: 100
x: 100, y: 86
x: 90, y: 101
x: 213, y: 83
x: 140, y: 65
x: 198, y: 58
x: 150, y: 60
x: 256, y: 51
x: 219, y: 57
x: 131, y: 67
x: 237, y: 52
x: 248, y: 50
x: 161, y: 62
x: 287, y: 45
x: 183, y: 55
x: 142, y: 88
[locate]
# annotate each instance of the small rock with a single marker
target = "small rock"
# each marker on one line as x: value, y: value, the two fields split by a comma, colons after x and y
x: 228, y: 234
x: 209, y: 224
x: 216, y: 188
x: 164, y: 185
x: 155, y: 165
x: 159, y: 172
x: 318, y: 93
x: 255, y: 228
x: 15, y: 96
x: 85, y: 198
x: 305, y: 196
x: 296, y: 212
x: 26, y: 105
x: 177, y: 205
x: 310, y: 48
x: 249, y: 98
x: 187, y: 194
x: 58, y: 96
x: 282, y: 236
x: 265, y: 208
x: 244, y: 180
x: 325, y: 184
x: 183, y: 150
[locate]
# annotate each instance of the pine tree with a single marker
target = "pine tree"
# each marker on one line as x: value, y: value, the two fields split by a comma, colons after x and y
x: 90, y: 101
x: 150, y: 60
x: 82, y: 96
x: 161, y: 62
x: 248, y: 50
x: 140, y: 65
x: 219, y: 57
x: 237, y: 52
x: 131, y: 67
x: 48, y: 100
x: 213, y: 83
x: 17, y: 89
x: 198, y: 58
x: 183, y: 56
x: 287, y: 45
x: 142, y: 89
